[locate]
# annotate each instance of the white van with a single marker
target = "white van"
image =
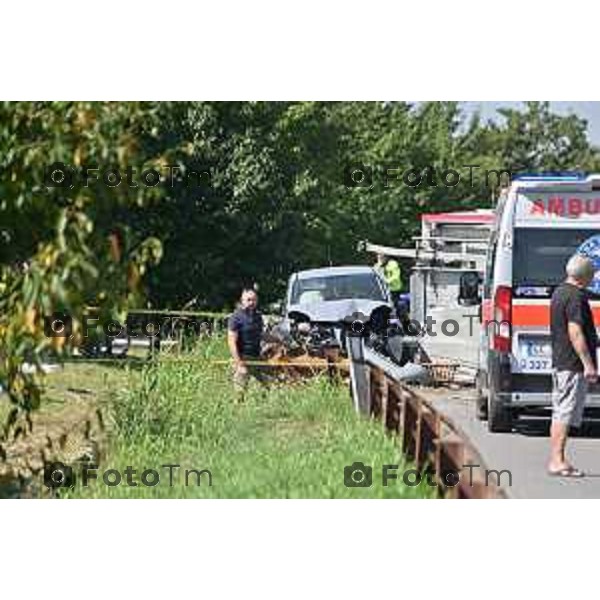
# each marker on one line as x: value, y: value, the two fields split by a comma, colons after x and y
x: 540, y: 222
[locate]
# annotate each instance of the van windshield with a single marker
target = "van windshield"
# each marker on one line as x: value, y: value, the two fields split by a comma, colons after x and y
x: 540, y: 255
x: 362, y: 286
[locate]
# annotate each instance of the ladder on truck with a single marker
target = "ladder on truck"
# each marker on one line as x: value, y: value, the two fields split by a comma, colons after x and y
x: 438, y: 252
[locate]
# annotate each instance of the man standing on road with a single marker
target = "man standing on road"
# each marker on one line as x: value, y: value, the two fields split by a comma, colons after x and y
x: 390, y: 270
x: 574, y: 343
x: 243, y: 338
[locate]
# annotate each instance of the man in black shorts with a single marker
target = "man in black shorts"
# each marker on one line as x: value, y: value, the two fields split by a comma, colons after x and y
x: 244, y: 336
x: 574, y: 343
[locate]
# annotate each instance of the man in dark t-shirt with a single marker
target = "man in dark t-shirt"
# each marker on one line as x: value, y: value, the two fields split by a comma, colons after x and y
x: 574, y: 343
x: 244, y: 336
x: 570, y: 305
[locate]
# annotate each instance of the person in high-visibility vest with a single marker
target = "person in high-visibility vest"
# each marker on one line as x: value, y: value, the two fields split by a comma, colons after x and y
x: 390, y: 270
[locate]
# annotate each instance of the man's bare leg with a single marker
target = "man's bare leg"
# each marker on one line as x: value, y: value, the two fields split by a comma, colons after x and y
x: 558, y: 442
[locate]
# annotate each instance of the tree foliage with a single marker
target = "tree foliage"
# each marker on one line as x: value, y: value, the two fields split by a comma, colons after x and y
x: 65, y: 247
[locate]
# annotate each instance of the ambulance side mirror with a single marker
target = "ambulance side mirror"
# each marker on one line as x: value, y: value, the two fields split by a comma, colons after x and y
x: 468, y: 293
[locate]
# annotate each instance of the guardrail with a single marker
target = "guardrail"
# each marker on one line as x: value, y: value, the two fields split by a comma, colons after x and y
x: 156, y: 328
x: 428, y: 438
x: 195, y: 322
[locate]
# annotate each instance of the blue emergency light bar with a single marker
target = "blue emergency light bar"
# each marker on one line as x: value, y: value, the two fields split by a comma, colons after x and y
x: 552, y: 176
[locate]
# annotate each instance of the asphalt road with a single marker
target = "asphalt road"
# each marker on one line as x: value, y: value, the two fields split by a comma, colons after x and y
x: 525, y: 451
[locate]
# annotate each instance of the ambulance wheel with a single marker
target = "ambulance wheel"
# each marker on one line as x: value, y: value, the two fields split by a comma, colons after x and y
x: 500, y: 418
x: 481, y: 398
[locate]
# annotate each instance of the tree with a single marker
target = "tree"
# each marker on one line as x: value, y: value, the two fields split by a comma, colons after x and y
x: 63, y: 247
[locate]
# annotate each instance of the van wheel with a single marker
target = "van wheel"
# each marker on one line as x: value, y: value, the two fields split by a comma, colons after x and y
x: 500, y: 418
x: 481, y: 398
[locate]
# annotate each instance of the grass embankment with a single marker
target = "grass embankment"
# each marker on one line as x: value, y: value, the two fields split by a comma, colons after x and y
x: 287, y: 442
x: 61, y: 427
x: 65, y: 391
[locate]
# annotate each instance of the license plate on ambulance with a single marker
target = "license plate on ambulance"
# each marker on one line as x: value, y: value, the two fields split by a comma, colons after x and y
x: 535, y: 354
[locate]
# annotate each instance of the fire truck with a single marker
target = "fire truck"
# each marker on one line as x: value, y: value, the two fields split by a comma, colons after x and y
x: 447, y: 263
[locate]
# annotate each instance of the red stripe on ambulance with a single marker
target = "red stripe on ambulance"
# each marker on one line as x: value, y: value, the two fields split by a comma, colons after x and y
x: 538, y: 315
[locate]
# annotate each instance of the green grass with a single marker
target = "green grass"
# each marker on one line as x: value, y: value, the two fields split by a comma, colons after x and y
x: 287, y: 442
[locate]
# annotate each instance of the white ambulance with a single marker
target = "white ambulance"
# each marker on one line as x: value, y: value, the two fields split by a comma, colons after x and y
x: 540, y: 222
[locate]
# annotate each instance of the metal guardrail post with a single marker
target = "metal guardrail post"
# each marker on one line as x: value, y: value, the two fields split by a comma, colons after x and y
x: 428, y: 438
x: 359, y: 375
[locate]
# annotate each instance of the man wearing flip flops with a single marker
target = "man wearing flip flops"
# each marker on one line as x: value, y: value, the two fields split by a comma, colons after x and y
x: 574, y: 343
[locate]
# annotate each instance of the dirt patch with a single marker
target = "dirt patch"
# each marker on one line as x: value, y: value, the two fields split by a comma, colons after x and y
x: 69, y: 435
x: 70, y: 428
